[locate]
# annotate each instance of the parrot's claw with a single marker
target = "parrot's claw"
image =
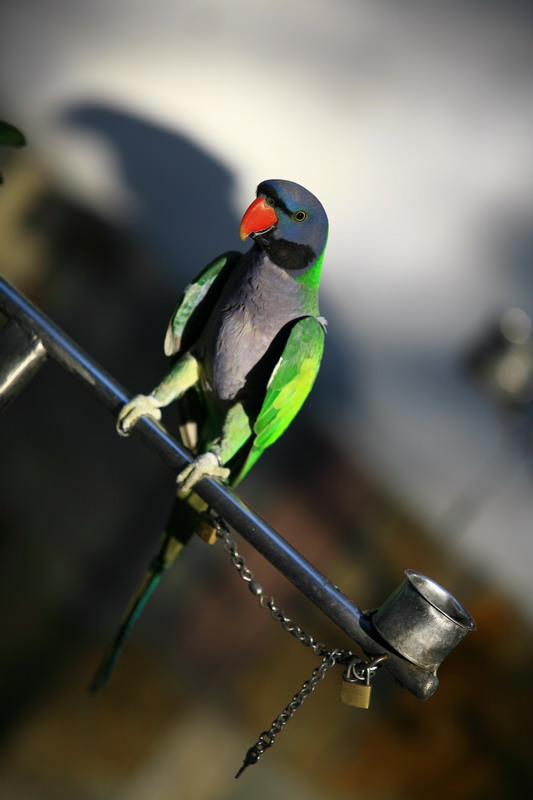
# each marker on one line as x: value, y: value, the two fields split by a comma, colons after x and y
x: 206, y: 465
x: 141, y: 406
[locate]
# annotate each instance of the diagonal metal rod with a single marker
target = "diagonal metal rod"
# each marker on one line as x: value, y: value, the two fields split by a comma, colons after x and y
x: 327, y: 597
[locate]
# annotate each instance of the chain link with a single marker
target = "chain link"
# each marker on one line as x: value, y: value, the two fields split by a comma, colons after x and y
x: 329, y: 657
x: 267, y: 738
x: 356, y: 667
x: 266, y: 601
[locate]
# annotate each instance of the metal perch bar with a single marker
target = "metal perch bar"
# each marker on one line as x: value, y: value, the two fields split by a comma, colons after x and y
x: 37, y: 328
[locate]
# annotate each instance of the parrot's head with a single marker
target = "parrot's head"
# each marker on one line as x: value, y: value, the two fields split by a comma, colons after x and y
x: 288, y: 222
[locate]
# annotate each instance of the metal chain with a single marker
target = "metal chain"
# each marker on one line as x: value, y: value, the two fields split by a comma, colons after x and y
x: 267, y: 738
x: 266, y: 601
x: 329, y: 657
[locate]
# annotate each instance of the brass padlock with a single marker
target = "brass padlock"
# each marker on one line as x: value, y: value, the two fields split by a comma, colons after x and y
x: 356, y: 688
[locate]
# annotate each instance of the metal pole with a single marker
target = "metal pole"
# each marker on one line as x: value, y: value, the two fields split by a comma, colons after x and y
x: 21, y: 355
x: 327, y: 597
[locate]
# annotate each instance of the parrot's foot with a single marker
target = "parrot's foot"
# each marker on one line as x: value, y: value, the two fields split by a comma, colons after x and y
x: 206, y: 465
x: 141, y: 406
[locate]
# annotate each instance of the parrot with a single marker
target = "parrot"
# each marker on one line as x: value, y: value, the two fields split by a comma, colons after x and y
x: 247, y: 340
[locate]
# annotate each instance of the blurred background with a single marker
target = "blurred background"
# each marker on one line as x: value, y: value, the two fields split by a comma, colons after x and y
x: 148, y: 128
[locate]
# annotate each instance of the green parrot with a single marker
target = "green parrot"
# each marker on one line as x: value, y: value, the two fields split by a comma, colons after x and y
x: 247, y: 340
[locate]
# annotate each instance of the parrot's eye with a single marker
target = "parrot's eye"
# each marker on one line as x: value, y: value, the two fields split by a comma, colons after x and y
x: 269, y: 201
x: 299, y: 216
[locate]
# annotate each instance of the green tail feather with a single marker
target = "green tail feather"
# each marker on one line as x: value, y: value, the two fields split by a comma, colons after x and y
x: 108, y: 663
x: 180, y: 527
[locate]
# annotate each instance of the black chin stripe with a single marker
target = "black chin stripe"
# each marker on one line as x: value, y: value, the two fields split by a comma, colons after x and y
x: 289, y: 255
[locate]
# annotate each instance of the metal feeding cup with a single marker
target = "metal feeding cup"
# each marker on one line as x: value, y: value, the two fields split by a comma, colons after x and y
x: 422, y: 621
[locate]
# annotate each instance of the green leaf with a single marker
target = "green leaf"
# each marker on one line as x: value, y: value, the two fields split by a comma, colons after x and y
x: 11, y: 136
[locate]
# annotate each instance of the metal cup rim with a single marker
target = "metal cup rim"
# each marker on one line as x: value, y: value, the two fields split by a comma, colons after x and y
x: 421, y: 584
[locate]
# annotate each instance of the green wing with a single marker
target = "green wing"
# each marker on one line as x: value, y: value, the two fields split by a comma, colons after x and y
x: 192, y: 302
x: 290, y: 383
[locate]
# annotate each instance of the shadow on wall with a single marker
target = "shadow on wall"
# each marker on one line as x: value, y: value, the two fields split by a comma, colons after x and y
x: 186, y: 219
x: 184, y: 193
x: 72, y: 554
x: 82, y: 510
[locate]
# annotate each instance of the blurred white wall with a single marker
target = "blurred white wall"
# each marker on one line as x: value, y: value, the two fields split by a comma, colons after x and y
x: 412, y: 122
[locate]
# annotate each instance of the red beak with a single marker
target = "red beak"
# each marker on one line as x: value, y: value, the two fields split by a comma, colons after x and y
x: 258, y: 217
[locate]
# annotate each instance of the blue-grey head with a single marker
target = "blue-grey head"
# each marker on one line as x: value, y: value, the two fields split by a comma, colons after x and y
x: 289, y: 223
